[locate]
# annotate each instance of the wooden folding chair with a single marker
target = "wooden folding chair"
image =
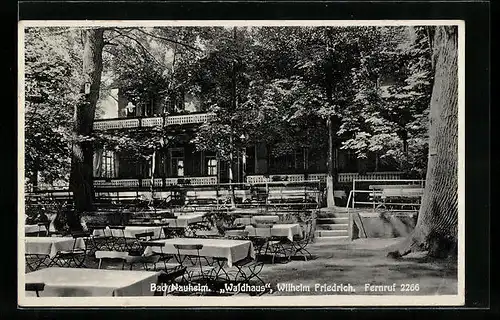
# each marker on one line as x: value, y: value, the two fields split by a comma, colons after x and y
x: 74, y: 257
x: 35, y: 286
x: 195, y: 270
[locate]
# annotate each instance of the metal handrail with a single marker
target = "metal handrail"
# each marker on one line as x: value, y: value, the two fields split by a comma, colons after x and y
x: 374, y: 203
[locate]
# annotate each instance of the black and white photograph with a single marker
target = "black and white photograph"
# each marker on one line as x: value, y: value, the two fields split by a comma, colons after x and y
x: 241, y: 163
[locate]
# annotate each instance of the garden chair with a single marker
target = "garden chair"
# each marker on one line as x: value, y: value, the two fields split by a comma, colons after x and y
x: 136, y: 249
x: 35, y: 286
x: 166, y: 262
x: 43, y: 229
x: 120, y: 242
x: 36, y: 261
x: 168, y: 278
x: 261, y: 237
x: 195, y: 271
x: 74, y: 257
x: 249, y: 269
x: 274, y: 246
x: 300, y: 242
x: 173, y: 232
x: 99, y: 237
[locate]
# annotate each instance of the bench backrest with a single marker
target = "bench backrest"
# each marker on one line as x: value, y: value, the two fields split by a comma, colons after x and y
x: 394, y: 186
x: 403, y: 192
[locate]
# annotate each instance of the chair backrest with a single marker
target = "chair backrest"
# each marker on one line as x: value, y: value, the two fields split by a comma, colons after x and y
x: 95, y: 226
x: 34, y: 286
x: 188, y: 246
x: 145, y: 235
x: 80, y: 234
x: 182, y: 256
x: 152, y: 244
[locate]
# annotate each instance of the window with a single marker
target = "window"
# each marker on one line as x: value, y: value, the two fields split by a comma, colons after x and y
x: 177, y: 162
x: 211, y: 164
x: 108, y: 164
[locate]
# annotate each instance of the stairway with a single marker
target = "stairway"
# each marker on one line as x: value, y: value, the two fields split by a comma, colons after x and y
x: 332, y: 224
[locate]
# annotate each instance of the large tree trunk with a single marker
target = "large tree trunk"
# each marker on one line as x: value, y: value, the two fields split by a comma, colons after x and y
x: 81, y: 178
x: 437, y: 224
x: 330, y: 200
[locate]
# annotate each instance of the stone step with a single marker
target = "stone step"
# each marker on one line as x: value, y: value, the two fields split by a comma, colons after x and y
x: 333, y: 239
x: 332, y: 220
x: 330, y: 233
x: 334, y: 209
x: 331, y: 214
x: 334, y: 226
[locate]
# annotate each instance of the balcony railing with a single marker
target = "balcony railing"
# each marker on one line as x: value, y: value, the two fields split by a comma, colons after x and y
x: 107, y: 124
x: 157, y: 182
x: 343, y: 177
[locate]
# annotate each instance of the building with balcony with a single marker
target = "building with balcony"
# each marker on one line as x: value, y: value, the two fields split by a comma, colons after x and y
x: 182, y: 164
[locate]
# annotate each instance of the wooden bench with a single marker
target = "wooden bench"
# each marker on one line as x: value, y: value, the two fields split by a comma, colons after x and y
x: 291, y: 195
x: 378, y: 190
x: 206, y: 197
x: 402, y: 197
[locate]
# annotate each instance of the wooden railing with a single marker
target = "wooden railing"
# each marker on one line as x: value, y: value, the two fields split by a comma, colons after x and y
x: 107, y: 124
x: 389, y: 175
x: 342, y: 177
x: 157, y: 182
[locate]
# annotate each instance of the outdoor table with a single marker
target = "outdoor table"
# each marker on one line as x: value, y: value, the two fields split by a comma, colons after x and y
x: 283, y: 216
x: 277, y: 230
x: 32, y: 228
x: 70, y: 282
x: 247, y: 221
x: 230, y: 250
x: 129, y: 231
x: 183, y: 221
x: 50, y: 246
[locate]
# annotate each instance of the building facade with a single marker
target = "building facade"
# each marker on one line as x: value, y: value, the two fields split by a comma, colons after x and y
x: 181, y: 163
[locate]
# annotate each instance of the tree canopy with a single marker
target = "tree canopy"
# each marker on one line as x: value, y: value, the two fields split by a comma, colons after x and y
x: 272, y: 84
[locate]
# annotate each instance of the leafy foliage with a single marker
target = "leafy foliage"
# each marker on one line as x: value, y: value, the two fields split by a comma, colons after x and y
x: 51, y: 77
x: 389, y: 117
x: 276, y: 85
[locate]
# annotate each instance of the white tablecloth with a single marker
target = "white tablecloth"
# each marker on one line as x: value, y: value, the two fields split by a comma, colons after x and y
x: 129, y: 231
x: 32, y: 228
x: 51, y: 245
x: 247, y: 221
x: 183, y: 220
x: 81, y: 282
x: 232, y: 250
x: 278, y: 230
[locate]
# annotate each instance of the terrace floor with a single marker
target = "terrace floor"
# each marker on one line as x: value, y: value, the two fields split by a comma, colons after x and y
x: 364, y: 261
x: 360, y: 262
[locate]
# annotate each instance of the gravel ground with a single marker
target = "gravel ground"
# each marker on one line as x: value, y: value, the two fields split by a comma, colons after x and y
x: 359, y: 263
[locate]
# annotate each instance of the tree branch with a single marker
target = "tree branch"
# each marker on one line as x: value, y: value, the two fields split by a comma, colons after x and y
x: 144, y: 50
x: 170, y: 40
